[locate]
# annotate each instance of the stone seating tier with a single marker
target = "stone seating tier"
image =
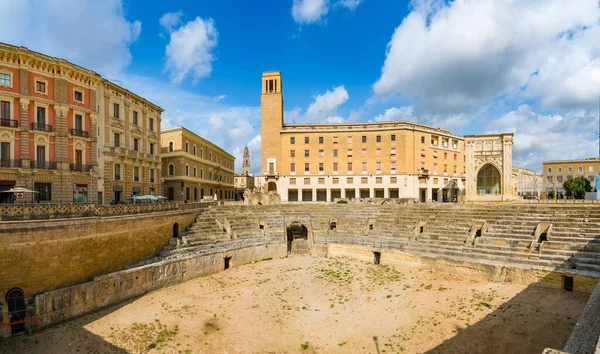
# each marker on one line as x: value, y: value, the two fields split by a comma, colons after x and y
x: 573, y: 241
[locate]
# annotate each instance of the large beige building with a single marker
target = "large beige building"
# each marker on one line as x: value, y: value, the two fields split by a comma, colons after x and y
x: 556, y: 172
x: 194, y: 168
x: 321, y: 162
x: 130, y: 158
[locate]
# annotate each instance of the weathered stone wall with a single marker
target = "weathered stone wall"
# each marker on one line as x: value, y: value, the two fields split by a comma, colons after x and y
x: 44, y: 255
x: 58, y: 305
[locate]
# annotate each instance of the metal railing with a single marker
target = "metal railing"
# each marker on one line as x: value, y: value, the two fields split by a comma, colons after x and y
x: 76, y: 167
x: 81, y: 133
x: 41, y: 127
x: 11, y: 163
x: 11, y: 123
x: 43, y: 165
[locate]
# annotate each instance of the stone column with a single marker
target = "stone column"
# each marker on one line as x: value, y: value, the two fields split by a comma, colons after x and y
x: 24, y: 125
x: 471, y: 180
x: 507, y: 185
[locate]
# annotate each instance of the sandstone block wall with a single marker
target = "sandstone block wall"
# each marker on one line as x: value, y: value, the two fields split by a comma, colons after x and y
x: 38, y: 256
x: 59, y: 305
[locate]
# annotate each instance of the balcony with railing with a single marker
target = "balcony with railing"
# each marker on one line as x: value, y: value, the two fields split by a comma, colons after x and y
x: 9, y: 123
x: 80, y: 133
x: 11, y: 163
x: 43, y: 165
x: 41, y: 127
x: 77, y: 167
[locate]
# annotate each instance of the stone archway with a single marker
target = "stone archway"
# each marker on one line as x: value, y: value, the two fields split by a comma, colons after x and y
x: 489, y: 180
x: 297, y: 238
x: 15, y: 299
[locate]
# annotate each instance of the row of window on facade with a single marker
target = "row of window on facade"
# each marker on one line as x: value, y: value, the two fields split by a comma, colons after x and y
x: 435, y: 140
x: 217, y: 177
x: 41, y: 86
x: 41, y: 121
x: 364, y: 167
x: 135, y: 143
x: 136, y: 174
x: 134, y: 116
x: 570, y: 169
x: 363, y: 180
x: 378, y: 153
x: 211, y: 157
x: 189, y: 196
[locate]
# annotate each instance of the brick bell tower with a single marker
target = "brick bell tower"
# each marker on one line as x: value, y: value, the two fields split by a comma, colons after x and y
x: 271, y: 107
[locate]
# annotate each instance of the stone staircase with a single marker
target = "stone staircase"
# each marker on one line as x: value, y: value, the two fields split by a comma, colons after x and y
x: 433, y: 230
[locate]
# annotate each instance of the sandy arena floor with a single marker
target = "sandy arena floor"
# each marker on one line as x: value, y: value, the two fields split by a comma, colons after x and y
x: 316, y: 305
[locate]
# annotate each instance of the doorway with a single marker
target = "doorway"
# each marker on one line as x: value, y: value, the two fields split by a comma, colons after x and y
x: 15, y: 299
x: 297, y: 238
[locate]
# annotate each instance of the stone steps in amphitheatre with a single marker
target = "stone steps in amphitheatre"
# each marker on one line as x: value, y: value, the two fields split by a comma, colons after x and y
x: 572, y: 244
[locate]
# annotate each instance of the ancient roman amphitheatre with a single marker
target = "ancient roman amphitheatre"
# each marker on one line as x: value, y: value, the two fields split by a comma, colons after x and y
x: 327, y: 278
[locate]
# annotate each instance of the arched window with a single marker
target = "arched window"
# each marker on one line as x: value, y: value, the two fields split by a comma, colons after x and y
x: 17, y: 310
x: 187, y: 170
x: 210, y: 156
x: 488, y: 180
x: 194, y: 149
x: 201, y: 173
x: 171, y: 170
x: 170, y: 146
x: 186, y: 147
x: 210, y: 176
x: 194, y: 171
x: 201, y: 153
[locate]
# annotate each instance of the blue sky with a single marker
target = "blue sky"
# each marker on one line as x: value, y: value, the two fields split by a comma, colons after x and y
x: 471, y: 66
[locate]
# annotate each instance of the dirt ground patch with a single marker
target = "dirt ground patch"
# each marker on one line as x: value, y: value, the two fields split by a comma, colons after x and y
x: 302, y: 304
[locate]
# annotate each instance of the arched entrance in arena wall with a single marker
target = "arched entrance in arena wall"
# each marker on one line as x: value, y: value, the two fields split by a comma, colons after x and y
x: 272, y: 187
x: 297, y: 238
x: 489, y: 180
x: 17, y: 310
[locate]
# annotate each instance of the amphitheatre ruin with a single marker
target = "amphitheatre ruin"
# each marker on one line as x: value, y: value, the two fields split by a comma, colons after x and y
x: 364, y: 277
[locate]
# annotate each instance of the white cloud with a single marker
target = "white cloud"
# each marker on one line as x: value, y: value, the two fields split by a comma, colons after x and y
x: 89, y: 33
x: 456, y: 55
x: 219, y: 98
x: 170, y: 20
x: 309, y: 11
x: 541, y: 137
x: 326, y: 105
x: 402, y: 113
x: 190, y: 50
x: 349, y: 4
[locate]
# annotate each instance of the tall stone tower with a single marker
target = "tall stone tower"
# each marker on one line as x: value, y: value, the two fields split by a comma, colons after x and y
x: 246, y: 163
x: 271, y: 107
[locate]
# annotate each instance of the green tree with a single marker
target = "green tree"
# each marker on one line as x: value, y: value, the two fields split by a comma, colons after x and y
x: 551, y: 194
x: 577, y: 187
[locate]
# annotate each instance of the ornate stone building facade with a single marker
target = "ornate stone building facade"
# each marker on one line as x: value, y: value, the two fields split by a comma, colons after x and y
x: 48, y: 124
x: 528, y: 184
x: 321, y: 162
x: 489, y: 167
x: 194, y: 168
x: 130, y: 156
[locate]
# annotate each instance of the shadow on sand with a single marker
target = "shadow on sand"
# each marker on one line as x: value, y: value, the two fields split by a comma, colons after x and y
x: 506, y: 330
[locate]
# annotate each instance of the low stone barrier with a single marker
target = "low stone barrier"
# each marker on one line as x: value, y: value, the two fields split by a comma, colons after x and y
x: 62, y: 304
x: 10, y: 212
